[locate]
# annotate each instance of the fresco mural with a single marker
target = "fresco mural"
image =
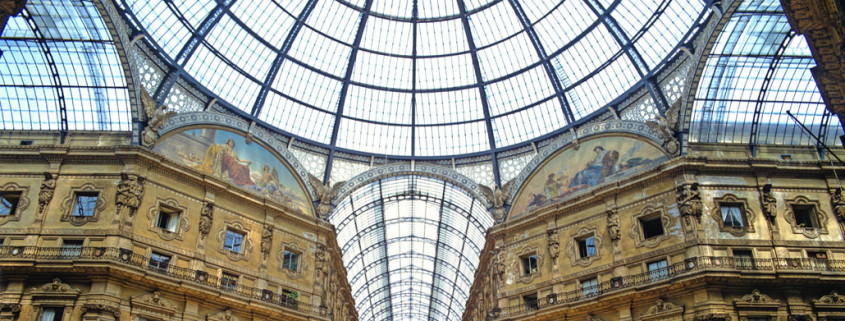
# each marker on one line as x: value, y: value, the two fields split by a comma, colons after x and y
x: 227, y: 156
x: 596, y: 162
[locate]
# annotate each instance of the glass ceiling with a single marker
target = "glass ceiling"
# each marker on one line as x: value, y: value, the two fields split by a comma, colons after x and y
x: 757, y: 70
x: 416, y: 78
x: 61, y: 70
x: 410, y: 246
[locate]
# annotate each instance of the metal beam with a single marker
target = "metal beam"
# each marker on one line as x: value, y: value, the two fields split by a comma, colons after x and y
x: 764, y: 88
x: 485, y: 105
x: 281, y: 55
x: 356, y: 45
x: 54, y: 72
x: 383, y: 245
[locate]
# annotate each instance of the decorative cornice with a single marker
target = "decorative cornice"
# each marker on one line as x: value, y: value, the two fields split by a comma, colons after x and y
x: 755, y: 298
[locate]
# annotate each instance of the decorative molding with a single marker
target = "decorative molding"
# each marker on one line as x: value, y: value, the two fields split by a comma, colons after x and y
x: 22, y: 203
x: 68, y: 202
x: 183, y: 225
x: 101, y: 307
x: 662, y: 310
x: 225, y: 315
x: 152, y: 305
x: 756, y: 299
x: 748, y: 216
x: 572, y: 249
x: 713, y: 317
x: 390, y: 170
x: 527, y: 251
x: 56, y: 289
x: 821, y: 217
x: 303, y: 260
x: 246, y: 247
x: 834, y: 299
x: 637, y: 231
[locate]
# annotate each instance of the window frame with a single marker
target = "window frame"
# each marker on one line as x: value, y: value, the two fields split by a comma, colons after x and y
x: 589, y: 287
x: 817, y: 216
x: 69, y: 204
x: 526, y: 262
x: 13, y: 206
x: 77, y: 203
x: 229, y: 281
x: 22, y: 203
x: 294, y: 254
x: 232, y: 247
x: 158, y: 266
x: 657, y: 273
x: 747, y: 217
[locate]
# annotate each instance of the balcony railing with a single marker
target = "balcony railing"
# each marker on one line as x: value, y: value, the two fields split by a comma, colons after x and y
x: 124, y: 256
x: 689, y: 266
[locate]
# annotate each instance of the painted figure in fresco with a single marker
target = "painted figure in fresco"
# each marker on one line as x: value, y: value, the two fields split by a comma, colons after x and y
x: 269, y: 179
x: 222, y: 158
x: 602, y: 166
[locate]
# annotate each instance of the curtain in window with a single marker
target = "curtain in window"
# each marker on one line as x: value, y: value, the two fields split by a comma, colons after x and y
x: 732, y: 216
x: 48, y: 315
x: 172, y: 222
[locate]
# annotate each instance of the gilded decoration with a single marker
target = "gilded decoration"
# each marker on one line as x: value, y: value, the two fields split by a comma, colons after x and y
x: 229, y: 157
x: 800, y: 228
x: 516, y: 264
x: 662, y: 310
x: 170, y: 233
x: 152, y: 306
x: 573, y: 251
x: 246, y: 247
x: 570, y: 171
x: 45, y: 195
x: 22, y: 201
x: 130, y: 190
x: 637, y: 232
x: 225, y: 315
x: 302, y: 266
x: 748, y: 216
x: 67, y: 205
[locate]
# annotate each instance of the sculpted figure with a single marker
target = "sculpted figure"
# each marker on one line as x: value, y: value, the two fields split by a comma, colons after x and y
x: 206, y: 217
x: 838, y: 202
x: 325, y: 193
x: 497, y: 197
x: 155, y: 118
x: 129, y: 193
x: 48, y: 188
x: 665, y: 128
x: 554, y: 246
x: 266, y: 241
x: 613, y: 226
x: 689, y: 200
x: 770, y: 207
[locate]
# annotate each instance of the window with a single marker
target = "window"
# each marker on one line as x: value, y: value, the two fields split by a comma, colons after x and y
x: 529, y: 264
x: 159, y: 261
x: 587, y: 247
x: 291, y: 261
x: 71, y: 249
x: 818, y: 260
x: 805, y: 216
x: 743, y: 259
x: 732, y: 215
x: 530, y: 302
x: 234, y: 241
x: 228, y: 281
x: 658, y: 270
x: 84, y: 204
x: 590, y: 287
x: 168, y: 219
x: 9, y: 203
x: 51, y: 314
x: 652, y: 226
x: 289, y: 296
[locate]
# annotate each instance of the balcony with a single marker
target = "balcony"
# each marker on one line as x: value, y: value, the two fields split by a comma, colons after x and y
x: 125, y: 257
x: 678, y: 270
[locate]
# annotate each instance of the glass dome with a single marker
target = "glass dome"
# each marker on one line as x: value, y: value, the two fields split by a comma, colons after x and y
x: 416, y: 78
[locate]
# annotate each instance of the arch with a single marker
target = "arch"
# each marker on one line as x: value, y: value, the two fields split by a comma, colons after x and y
x: 273, y: 184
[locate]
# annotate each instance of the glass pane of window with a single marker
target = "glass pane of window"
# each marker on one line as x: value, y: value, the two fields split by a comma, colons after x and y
x: 159, y: 261
x: 590, y: 287
x: 658, y: 270
x: 732, y: 215
x: 291, y: 260
x: 85, y: 204
x: 233, y: 241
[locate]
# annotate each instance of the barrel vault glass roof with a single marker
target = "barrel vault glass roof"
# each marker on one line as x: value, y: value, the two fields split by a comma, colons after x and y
x: 416, y: 78
x: 410, y: 245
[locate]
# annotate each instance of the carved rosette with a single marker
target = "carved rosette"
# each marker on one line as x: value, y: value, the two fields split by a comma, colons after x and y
x: 23, y: 202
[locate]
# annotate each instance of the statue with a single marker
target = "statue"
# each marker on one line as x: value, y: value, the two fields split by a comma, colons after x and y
x: 155, y: 118
x: 554, y: 246
x: 665, y: 128
x: 497, y: 197
x: 322, y: 268
x: 689, y: 201
x: 838, y: 202
x: 613, y: 226
x: 206, y: 217
x: 325, y: 193
x: 266, y: 240
x: 48, y: 188
x: 129, y: 193
x: 770, y: 207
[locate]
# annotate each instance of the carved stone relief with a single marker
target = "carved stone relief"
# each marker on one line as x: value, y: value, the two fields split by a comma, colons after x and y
x: 181, y: 227
x: 770, y: 203
x: 152, y: 306
x: 130, y: 190
x: 225, y: 315
x: 206, y: 218
x: 22, y: 201
x: 266, y: 241
x: 67, y: 205
x: 662, y: 310
x: 613, y: 230
x: 838, y: 203
x: 45, y: 195
x: 748, y: 216
x: 689, y: 202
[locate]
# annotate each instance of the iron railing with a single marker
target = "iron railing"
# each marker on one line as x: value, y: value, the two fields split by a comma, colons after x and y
x: 127, y: 257
x: 689, y: 266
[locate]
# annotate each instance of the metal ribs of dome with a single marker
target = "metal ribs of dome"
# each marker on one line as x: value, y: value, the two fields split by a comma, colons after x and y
x: 420, y: 79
